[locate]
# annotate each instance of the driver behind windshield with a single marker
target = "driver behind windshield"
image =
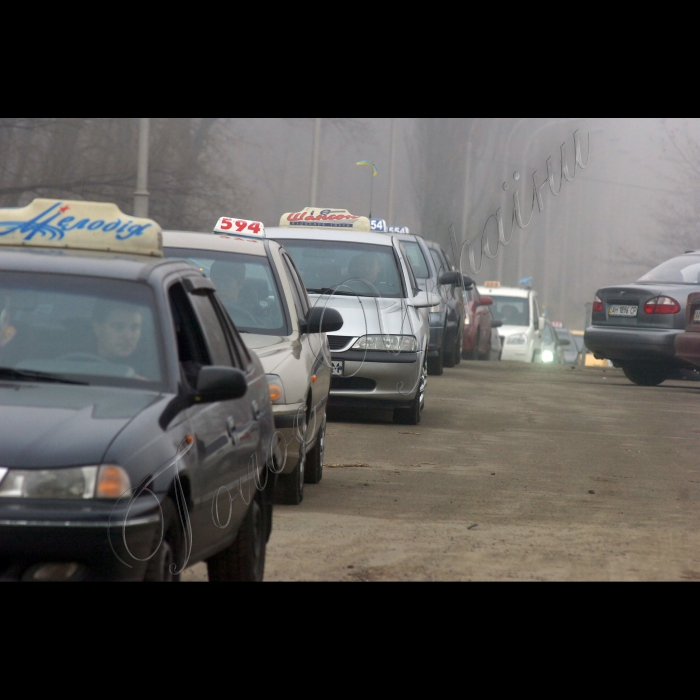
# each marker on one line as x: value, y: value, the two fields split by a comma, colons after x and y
x: 117, y: 327
x: 230, y: 278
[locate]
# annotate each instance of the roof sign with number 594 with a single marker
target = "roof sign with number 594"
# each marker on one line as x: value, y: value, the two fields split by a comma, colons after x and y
x: 240, y: 227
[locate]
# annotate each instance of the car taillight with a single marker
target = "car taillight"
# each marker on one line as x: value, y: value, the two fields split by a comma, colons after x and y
x: 597, y: 303
x: 662, y: 305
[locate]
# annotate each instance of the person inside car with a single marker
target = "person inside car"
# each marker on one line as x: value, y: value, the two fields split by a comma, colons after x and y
x: 230, y: 279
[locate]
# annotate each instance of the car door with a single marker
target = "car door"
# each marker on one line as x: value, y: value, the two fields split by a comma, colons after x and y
x: 225, y: 432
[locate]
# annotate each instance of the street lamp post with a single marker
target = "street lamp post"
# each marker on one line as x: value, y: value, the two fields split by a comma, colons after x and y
x: 314, y: 162
x: 141, y: 193
x: 392, y: 154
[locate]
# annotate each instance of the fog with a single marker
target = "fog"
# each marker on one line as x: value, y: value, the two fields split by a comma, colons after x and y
x: 633, y: 205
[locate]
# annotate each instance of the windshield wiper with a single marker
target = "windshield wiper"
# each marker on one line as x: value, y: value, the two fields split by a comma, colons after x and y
x: 333, y: 290
x: 31, y: 375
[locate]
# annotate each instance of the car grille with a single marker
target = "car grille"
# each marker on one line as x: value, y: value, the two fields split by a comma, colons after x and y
x: 354, y: 383
x: 338, y: 342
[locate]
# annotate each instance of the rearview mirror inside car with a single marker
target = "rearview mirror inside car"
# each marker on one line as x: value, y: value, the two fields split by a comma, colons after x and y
x: 219, y: 383
x: 496, y: 324
x: 563, y: 341
x: 449, y: 278
x: 321, y: 319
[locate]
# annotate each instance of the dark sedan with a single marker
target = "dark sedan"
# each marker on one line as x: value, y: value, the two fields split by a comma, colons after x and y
x: 135, y: 426
x: 635, y: 325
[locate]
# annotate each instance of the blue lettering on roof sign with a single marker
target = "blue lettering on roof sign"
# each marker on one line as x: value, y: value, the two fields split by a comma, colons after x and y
x: 45, y: 225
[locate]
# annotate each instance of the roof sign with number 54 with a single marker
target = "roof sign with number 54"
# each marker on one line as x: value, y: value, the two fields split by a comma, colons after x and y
x: 241, y: 228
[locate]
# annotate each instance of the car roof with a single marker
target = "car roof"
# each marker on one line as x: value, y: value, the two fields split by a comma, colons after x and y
x: 503, y: 291
x: 84, y: 262
x: 214, y: 241
x: 327, y: 234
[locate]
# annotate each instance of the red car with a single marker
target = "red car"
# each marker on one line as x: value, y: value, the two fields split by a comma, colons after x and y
x: 476, y: 342
x: 687, y: 344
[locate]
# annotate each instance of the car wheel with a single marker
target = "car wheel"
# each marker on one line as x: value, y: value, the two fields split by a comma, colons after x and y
x: 244, y: 558
x: 448, y: 354
x: 411, y: 415
x: 168, y: 557
x: 458, y: 348
x: 289, y: 490
x: 473, y: 354
x: 645, y: 374
x: 435, y: 364
x: 314, y: 460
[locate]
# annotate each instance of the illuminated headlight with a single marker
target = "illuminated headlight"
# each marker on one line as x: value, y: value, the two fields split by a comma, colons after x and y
x: 547, y: 356
x: 516, y: 339
x: 395, y: 343
x: 466, y: 320
x: 276, y: 388
x: 107, y: 481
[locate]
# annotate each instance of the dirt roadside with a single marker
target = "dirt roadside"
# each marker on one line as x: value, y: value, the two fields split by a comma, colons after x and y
x: 516, y: 472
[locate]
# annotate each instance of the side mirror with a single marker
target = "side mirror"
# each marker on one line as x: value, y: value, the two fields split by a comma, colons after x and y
x: 496, y: 324
x: 425, y: 300
x: 468, y: 282
x: 485, y: 301
x: 540, y: 323
x: 563, y: 341
x: 450, y: 278
x: 217, y: 383
x: 321, y: 319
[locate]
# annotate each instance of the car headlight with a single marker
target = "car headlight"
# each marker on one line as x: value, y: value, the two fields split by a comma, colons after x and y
x: 516, y: 339
x: 106, y: 481
x: 547, y: 356
x: 466, y: 320
x: 276, y: 388
x: 395, y: 343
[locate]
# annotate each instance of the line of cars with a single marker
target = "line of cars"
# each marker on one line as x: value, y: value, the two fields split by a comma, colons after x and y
x: 649, y: 328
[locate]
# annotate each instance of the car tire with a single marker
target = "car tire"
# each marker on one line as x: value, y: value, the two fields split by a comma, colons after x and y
x: 435, y: 364
x: 448, y: 354
x: 646, y: 374
x: 411, y: 415
x: 289, y: 490
x: 313, y: 471
x: 244, y: 558
x: 535, y: 356
x: 473, y: 354
x: 168, y: 556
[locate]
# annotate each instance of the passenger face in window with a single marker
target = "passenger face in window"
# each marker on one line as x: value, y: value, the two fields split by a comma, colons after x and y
x: 118, y: 331
x: 365, y: 266
x: 229, y: 279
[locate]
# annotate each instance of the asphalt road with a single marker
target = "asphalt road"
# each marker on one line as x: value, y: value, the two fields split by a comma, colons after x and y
x: 516, y: 472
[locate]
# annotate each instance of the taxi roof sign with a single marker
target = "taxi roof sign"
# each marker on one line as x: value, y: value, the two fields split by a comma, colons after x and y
x: 398, y: 229
x: 324, y: 217
x: 491, y: 283
x: 69, y: 224
x: 241, y: 228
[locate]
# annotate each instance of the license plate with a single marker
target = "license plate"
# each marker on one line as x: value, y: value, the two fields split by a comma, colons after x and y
x: 696, y: 316
x: 622, y: 310
x: 338, y: 367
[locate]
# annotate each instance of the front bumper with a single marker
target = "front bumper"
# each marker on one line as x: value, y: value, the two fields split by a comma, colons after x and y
x: 370, y: 380
x: 108, y: 541
x: 687, y: 347
x: 631, y: 343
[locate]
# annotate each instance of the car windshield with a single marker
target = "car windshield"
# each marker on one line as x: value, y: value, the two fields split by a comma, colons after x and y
x: 79, y: 329
x: 563, y: 334
x: 244, y: 284
x: 417, y: 260
x: 684, y: 269
x: 348, y: 268
x: 511, y: 311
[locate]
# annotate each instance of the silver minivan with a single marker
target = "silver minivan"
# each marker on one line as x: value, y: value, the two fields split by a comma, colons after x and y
x: 379, y: 358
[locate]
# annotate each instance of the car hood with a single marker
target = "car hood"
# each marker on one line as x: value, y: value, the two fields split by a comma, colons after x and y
x: 368, y: 315
x: 58, y: 425
x: 505, y: 331
x: 271, y: 349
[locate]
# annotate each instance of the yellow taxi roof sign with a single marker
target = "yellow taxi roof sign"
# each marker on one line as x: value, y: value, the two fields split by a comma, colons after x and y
x: 68, y: 224
x: 492, y: 283
x: 324, y: 217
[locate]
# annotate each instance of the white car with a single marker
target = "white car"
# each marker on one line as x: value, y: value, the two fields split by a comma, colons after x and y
x: 518, y: 309
x: 380, y: 360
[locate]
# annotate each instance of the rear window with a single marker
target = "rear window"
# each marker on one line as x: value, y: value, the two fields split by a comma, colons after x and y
x: 511, y: 311
x: 684, y: 269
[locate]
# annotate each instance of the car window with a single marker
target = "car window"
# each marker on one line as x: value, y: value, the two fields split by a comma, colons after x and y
x: 547, y: 334
x: 415, y: 256
x: 214, y: 335
x: 245, y: 286
x: 684, y: 269
x: 347, y: 267
x: 299, y: 295
x: 99, y: 331
x: 440, y: 265
x: 511, y: 311
x: 536, y: 308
